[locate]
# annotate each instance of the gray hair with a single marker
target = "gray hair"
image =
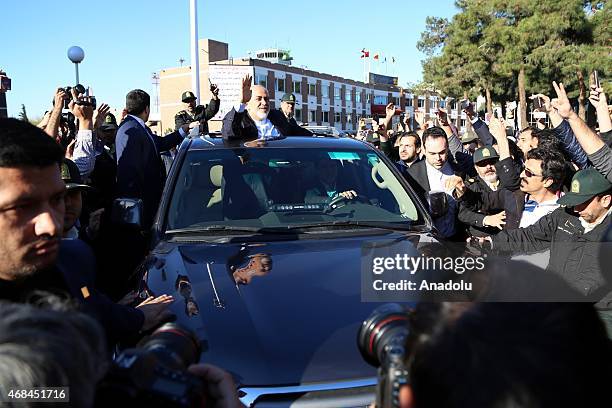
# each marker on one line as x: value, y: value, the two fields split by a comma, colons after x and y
x: 54, y: 347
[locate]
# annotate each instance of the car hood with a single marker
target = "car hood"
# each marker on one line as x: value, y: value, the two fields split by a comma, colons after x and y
x: 296, y: 323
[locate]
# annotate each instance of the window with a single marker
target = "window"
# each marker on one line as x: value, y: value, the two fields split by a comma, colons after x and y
x: 312, y: 116
x: 280, y: 84
x: 349, y: 118
x: 358, y: 96
x: 368, y: 97
x: 312, y: 89
x: 325, y: 91
x: 380, y: 99
x: 421, y: 103
x: 337, y: 117
x: 298, y: 115
x: 462, y: 123
x: 432, y: 104
x: 396, y: 101
x: 443, y: 104
x: 325, y: 116
x: 262, y: 80
x: 347, y: 94
x: 337, y: 94
x: 297, y: 87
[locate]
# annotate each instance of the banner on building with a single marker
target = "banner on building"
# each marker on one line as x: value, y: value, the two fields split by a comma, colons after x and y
x: 378, y: 79
x: 229, y: 80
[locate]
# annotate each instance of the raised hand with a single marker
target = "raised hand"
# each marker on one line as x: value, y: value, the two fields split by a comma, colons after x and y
x: 442, y: 116
x: 497, y: 128
x: 597, y: 97
x: 100, y: 115
x: 246, y: 88
x: 214, y: 89
x: 390, y: 111
x: 419, y: 117
x: 562, y: 104
x: 469, y: 110
x: 155, y: 310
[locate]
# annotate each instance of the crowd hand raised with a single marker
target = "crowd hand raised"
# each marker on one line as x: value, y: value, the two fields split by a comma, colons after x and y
x: 101, y: 113
x: 95, y: 219
x: 246, y: 88
x: 497, y: 128
x: 214, y: 89
x: 83, y: 112
x: 546, y: 101
x: 58, y: 99
x: 419, y: 117
x: 155, y: 310
x: 597, y: 97
x: 219, y: 386
x: 442, y: 116
x: 562, y: 104
x: 455, y: 186
x: 496, y: 220
x: 70, y: 149
x: 390, y: 111
x: 469, y: 110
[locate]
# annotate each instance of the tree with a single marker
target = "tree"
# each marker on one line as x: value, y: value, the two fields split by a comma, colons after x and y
x: 23, y: 115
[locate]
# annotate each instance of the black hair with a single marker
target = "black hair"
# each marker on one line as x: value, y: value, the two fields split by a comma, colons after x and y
x: 23, y: 144
x: 498, y: 354
x: 137, y: 101
x: 417, y: 141
x: 554, y: 166
x: 548, y: 140
x: 434, y: 132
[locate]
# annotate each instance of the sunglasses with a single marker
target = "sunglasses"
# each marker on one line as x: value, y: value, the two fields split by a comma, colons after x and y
x: 529, y: 173
x: 485, y: 163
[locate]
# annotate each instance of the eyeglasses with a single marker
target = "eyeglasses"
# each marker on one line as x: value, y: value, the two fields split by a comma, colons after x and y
x: 485, y: 163
x: 529, y: 173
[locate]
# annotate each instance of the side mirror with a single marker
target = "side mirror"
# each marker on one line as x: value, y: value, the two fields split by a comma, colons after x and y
x: 438, y: 203
x: 127, y: 211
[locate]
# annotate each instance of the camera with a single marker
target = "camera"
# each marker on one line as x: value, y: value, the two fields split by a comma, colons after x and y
x: 155, y: 373
x: 464, y: 104
x: 382, y: 343
x: 80, y: 90
x: 538, y: 103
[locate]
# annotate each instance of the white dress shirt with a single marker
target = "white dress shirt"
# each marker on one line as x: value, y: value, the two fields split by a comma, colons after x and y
x: 437, y: 179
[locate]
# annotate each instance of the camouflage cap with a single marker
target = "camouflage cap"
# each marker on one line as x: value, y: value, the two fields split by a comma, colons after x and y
x: 188, y: 96
x: 485, y: 153
x: 72, y: 176
x: 109, y: 123
x: 288, y: 97
x: 586, y: 184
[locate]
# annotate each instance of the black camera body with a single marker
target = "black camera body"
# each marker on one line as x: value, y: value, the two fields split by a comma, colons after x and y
x: 80, y: 90
x: 155, y: 374
x: 382, y: 343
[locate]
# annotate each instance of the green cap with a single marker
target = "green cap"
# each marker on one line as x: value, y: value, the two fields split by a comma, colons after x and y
x: 586, y: 184
x: 469, y: 137
x: 485, y: 153
x: 188, y: 96
x: 110, y: 123
x: 288, y: 97
x: 72, y: 176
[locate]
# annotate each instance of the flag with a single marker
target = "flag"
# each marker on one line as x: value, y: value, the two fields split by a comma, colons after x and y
x: 376, y: 56
x: 393, y: 60
x: 364, y: 53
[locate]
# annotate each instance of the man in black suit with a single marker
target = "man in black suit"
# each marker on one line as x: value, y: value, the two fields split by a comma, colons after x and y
x: 140, y: 170
x: 252, y: 118
x: 437, y: 173
x: 32, y: 255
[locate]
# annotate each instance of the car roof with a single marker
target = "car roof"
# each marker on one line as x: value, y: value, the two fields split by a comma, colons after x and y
x: 207, y: 143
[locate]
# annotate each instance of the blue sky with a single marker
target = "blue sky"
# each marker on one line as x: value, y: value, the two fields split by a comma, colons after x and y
x: 126, y: 41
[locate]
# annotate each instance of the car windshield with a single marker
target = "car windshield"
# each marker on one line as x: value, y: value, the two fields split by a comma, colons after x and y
x: 287, y: 187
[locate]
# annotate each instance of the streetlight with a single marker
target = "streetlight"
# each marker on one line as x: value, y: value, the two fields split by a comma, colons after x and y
x: 76, y: 55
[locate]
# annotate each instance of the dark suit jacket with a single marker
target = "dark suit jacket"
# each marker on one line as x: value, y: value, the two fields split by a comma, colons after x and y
x: 239, y: 125
x: 417, y: 177
x: 77, y: 265
x: 140, y: 170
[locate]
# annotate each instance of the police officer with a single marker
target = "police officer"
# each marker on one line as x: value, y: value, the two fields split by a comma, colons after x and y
x: 469, y: 140
x: 490, y: 222
x: 199, y: 113
x: 288, y: 109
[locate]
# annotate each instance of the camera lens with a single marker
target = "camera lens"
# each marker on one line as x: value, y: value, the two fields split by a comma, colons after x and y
x: 386, y: 326
x: 175, y: 346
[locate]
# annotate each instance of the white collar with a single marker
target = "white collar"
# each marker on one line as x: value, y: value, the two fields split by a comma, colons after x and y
x: 139, y: 120
x: 446, y: 168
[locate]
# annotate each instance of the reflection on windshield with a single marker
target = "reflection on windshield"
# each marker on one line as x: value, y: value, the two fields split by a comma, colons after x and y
x: 183, y: 286
x: 279, y: 187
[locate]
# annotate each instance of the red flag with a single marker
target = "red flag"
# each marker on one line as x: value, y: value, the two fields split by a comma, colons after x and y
x: 364, y: 53
x: 376, y: 56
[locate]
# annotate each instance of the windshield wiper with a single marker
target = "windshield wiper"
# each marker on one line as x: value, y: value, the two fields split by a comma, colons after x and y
x: 358, y: 224
x: 229, y: 228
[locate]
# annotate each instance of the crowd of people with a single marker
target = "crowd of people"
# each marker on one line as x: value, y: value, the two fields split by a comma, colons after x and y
x: 545, y: 192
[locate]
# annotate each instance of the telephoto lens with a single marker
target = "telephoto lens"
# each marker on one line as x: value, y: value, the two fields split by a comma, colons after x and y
x: 175, y: 347
x: 382, y: 343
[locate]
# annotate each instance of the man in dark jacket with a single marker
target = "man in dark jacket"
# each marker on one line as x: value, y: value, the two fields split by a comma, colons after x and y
x: 197, y: 113
x: 140, y: 171
x: 288, y: 102
x: 252, y: 118
x: 32, y: 255
x: 573, y: 233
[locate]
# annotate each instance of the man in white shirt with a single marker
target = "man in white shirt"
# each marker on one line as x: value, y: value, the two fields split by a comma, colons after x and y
x: 252, y: 118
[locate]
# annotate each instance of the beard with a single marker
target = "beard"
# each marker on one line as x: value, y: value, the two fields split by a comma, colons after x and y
x: 261, y: 115
x: 490, y: 178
